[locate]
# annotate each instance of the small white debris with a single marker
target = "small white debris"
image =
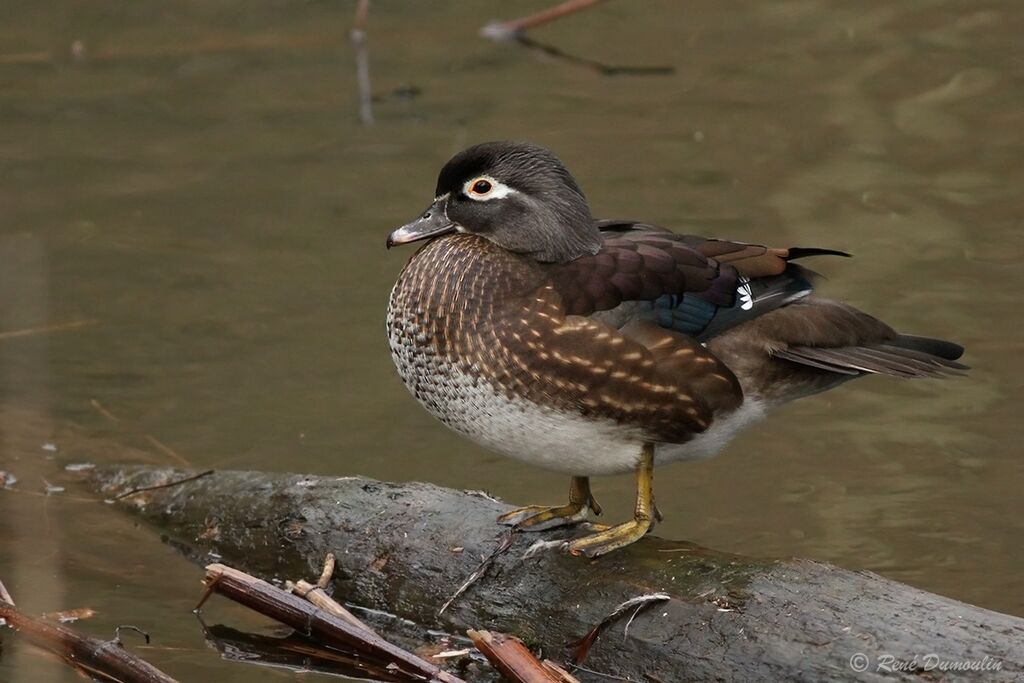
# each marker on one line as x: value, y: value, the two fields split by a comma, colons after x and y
x: 448, y: 654
x: 80, y: 466
x: 482, y: 494
x: 50, y: 447
x: 542, y: 546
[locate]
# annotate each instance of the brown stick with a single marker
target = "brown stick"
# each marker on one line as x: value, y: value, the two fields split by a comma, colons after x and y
x: 108, y: 659
x: 512, y: 658
x: 314, y: 623
x: 504, y: 543
x: 514, y: 27
x: 142, y: 489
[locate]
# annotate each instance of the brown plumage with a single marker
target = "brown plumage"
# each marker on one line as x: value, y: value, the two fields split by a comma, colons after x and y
x: 592, y: 347
x: 505, y: 317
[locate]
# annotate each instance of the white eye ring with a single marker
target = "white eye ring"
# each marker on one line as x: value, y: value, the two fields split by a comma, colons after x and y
x: 497, y: 189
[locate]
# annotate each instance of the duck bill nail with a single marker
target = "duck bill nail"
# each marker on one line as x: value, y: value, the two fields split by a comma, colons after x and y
x: 432, y: 223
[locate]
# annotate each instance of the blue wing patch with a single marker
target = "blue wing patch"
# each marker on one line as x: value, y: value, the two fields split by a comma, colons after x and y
x: 685, y: 314
x: 698, y: 317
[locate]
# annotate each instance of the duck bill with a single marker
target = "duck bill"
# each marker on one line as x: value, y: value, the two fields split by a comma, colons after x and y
x: 432, y: 223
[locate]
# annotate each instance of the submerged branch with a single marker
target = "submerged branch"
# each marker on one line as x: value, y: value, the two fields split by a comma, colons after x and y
x: 316, y: 624
x: 106, y: 659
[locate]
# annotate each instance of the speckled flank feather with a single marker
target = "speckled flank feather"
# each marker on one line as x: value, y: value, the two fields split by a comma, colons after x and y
x: 482, y: 339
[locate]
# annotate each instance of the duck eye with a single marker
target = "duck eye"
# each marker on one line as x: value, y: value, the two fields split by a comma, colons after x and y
x: 481, y: 187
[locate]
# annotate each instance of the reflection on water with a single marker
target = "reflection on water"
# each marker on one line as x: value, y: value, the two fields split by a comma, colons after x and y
x: 197, y: 180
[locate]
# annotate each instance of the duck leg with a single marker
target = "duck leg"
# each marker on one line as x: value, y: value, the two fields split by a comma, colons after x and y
x: 644, y: 515
x: 541, y: 517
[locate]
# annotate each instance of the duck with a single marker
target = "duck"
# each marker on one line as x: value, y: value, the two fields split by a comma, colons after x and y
x: 594, y: 347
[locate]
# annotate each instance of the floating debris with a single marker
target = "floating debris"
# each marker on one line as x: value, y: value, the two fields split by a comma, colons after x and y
x: 70, y: 615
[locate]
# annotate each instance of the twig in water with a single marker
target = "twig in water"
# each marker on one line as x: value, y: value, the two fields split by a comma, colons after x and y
x: 358, y: 37
x: 504, y: 543
x: 155, y: 442
x: 176, y: 482
x: 128, y: 627
x: 46, y: 329
x: 504, y: 30
x: 103, y: 411
x: 103, y: 660
x: 638, y: 603
x: 167, y: 450
x: 316, y: 624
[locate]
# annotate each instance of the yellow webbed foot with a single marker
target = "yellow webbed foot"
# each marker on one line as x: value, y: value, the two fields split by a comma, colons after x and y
x: 613, y: 538
x: 541, y: 517
x: 644, y: 516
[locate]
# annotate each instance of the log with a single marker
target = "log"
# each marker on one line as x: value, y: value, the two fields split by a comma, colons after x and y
x: 407, y: 548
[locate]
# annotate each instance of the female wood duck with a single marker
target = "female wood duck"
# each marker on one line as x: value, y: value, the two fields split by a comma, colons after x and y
x: 597, y: 347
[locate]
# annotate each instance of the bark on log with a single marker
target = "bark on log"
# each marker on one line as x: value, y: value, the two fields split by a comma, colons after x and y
x: 729, y: 617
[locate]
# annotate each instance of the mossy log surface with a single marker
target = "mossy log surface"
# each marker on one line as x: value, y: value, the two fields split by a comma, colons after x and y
x: 406, y: 548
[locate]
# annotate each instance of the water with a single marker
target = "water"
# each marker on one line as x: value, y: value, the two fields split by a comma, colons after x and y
x: 196, y: 188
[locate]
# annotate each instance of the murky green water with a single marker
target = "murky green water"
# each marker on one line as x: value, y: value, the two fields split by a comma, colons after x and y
x: 198, y: 183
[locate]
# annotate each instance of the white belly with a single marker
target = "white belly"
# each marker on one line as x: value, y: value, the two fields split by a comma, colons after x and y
x: 542, y: 436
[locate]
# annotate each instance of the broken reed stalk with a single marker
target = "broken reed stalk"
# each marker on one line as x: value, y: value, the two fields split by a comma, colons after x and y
x: 317, y: 596
x: 358, y: 37
x: 108, y: 659
x: 514, y: 660
x: 312, y: 622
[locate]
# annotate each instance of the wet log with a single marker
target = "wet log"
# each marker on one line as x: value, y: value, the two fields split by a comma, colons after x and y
x: 407, y: 548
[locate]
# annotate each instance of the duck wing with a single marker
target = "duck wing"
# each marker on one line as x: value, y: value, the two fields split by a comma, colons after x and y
x: 689, y: 284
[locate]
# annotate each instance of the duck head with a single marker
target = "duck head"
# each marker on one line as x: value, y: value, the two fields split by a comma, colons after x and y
x: 515, y: 194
